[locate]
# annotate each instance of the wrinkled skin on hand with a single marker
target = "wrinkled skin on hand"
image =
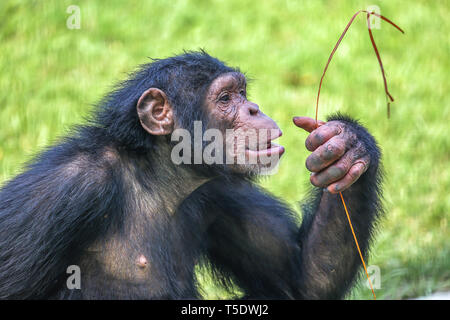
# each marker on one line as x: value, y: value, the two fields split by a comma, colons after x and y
x: 338, y: 158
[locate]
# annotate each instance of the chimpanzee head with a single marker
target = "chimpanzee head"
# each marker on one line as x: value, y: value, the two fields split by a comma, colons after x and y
x: 189, y: 91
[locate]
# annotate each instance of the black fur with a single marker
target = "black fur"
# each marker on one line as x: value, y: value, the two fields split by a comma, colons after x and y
x: 86, y: 201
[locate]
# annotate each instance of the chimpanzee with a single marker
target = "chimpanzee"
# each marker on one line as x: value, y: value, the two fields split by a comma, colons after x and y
x: 109, y: 199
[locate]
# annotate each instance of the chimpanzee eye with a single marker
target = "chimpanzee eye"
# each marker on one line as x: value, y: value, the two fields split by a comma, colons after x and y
x: 225, y: 98
x: 242, y: 92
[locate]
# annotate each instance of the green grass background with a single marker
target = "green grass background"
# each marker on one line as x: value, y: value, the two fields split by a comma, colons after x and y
x: 50, y: 76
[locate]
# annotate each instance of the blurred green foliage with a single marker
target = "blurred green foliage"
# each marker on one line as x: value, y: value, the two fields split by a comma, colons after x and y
x: 51, y: 75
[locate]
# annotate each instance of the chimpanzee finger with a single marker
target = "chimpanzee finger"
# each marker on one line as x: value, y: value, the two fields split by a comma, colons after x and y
x: 333, y: 173
x: 326, y: 154
x: 307, y: 123
x: 321, y: 135
x: 353, y: 174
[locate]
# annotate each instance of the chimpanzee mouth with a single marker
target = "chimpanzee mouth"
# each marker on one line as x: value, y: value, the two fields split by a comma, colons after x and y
x: 268, y: 149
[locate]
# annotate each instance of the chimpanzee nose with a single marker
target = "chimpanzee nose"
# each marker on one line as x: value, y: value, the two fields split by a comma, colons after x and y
x: 253, y: 109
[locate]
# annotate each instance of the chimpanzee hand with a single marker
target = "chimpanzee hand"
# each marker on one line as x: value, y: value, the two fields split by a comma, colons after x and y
x: 338, y: 158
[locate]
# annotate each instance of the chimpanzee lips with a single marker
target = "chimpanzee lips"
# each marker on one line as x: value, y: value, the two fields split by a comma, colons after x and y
x: 267, y: 149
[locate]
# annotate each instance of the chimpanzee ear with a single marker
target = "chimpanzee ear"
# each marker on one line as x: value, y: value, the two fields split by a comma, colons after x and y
x: 155, y: 112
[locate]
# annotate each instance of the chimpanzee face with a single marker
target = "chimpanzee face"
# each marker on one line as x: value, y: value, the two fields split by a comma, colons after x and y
x: 249, y: 133
x: 245, y: 133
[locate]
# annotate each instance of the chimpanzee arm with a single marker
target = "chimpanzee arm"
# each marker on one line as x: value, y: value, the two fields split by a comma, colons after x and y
x: 253, y: 241
x: 63, y: 199
x: 329, y: 258
x: 256, y: 240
